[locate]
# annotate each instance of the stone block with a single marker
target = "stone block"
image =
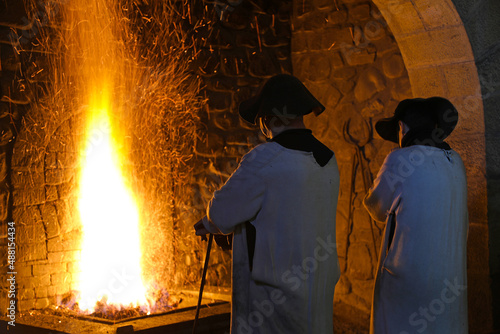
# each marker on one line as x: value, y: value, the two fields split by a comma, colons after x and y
x: 236, y: 19
x: 323, y: 4
x: 4, y: 204
x: 335, y: 38
x: 262, y: 64
x: 270, y: 40
x: 42, y: 303
x: 53, y: 291
x: 436, y: 47
x: 68, y: 216
x: 66, y: 190
x: 344, y: 73
x: 401, y: 89
x: 26, y: 215
x: 359, y: 13
x: 224, y: 121
x: 337, y: 17
x: 66, y: 242
x: 25, y: 179
x: 355, y: 56
x: 218, y: 101
x: 28, y: 196
x: 351, y: 1
x: 58, y: 176
x: 315, y: 21
x: 283, y: 53
x: 332, y: 97
x: 370, y: 82
x: 221, y: 38
x: 234, y: 62
x: 210, y: 146
x: 393, y: 66
x: 50, y: 220
x: 72, y: 267
x: 33, y: 282
x: 26, y: 294
x: 60, y: 279
x: 24, y: 270
x: 360, y: 298
x: 437, y: 14
x: 302, y: 7
x: 51, y: 193
x: 462, y: 79
x: 63, y: 256
x: 247, y: 39
x: 209, y: 62
x: 314, y: 41
x: 48, y: 269
x: 427, y: 81
x: 41, y: 292
x: 402, y: 17
x: 8, y: 59
x: 30, y: 234
x: 26, y: 305
x: 299, y: 42
x: 32, y: 252
x: 282, y: 29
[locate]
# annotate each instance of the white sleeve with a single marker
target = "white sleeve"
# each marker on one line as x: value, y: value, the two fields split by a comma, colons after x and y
x: 239, y: 200
x: 381, y: 195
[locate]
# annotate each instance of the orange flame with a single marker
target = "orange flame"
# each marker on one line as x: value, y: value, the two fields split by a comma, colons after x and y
x: 111, y: 254
x: 110, y: 265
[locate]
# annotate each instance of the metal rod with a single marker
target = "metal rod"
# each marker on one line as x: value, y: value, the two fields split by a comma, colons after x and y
x: 205, y: 267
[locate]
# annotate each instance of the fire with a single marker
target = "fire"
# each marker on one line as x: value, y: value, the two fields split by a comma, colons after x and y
x: 110, y: 264
x: 111, y: 254
x: 123, y: 97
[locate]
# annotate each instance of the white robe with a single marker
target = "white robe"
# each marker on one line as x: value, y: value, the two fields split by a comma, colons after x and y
x: 291, y: 201
x: 420, y: 286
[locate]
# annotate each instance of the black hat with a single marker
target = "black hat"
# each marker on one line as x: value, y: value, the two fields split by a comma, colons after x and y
x: 436, y: 111
x: 282, y: 95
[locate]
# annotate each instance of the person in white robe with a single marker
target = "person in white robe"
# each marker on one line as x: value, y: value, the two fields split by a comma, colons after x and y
x: 421, y: 194
x: 280, y: 204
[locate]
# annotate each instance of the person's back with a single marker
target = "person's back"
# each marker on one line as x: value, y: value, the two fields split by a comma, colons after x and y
x: 295, y: 252
x: 421, y: 193
x: 281, y: 204
x: 423, y: 273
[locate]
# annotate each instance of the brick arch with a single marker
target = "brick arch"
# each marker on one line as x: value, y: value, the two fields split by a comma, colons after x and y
x: 439, y: 59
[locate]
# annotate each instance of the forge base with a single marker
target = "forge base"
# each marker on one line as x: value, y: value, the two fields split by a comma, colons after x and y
x: 214, y: 318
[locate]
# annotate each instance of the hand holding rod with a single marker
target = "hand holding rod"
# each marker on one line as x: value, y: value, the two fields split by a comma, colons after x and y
x: 205, y: 267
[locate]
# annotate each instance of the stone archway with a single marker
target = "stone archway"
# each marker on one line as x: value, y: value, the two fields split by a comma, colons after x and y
x: 439, y: 60
x: 342, y: 50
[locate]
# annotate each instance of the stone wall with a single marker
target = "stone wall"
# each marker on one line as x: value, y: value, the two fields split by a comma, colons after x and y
x: 41, y: 168
x: 248, y: 43
x: 14, y: 101
x: 346, y: 54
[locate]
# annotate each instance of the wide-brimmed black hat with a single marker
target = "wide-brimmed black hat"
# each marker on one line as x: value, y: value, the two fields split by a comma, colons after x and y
x: 282, y: 95
x: 437, y: 111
